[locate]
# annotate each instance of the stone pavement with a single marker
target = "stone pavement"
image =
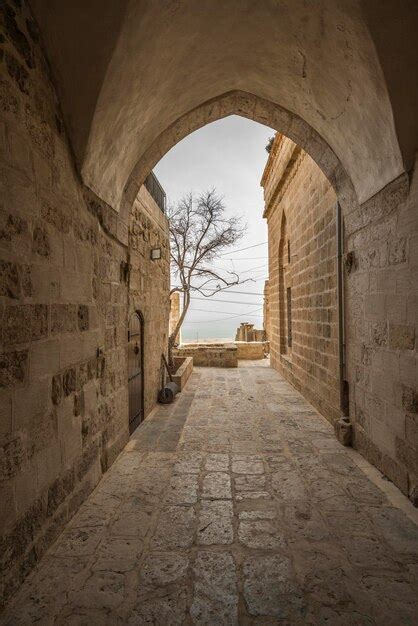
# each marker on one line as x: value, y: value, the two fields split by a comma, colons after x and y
x: 235, y: 505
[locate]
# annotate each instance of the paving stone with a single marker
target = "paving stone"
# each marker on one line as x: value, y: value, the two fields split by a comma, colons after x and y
x: 304, y: 522
x: 249, y: 483
x: 263, y: 534
x: 175, y: 529
x: 368, y: 552
x: 117, y: 554
x: 183, y: 489
x: 257, y: 514
x: 252, y: 495
x: 270, y: 587
x: 217, y: 485
x: 188, y: 464
x: 215, y: 523
x: 162, y: 568
x: 288, y: 485
x: 78, y: 542
x: 399, y: 531
x: 102, y: 590
x: 247, y: 465
x: 215, y: 596
x: 133, y: 519
x: 168, y: 609
x: 217, y: 463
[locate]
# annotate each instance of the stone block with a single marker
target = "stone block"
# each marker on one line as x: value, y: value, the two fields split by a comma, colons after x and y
x: 41, y: 243
x: 9, y: 280
x: 401, y: 337
x: 13, y: 368
x: 31, y: 406
x: 8, y: 511
x: 24, y: 322
x: 397, y: 251
x: 83, y: 317
x: 379, y: 334
x: 56, y: 389
x: 46, y: 284
x: 6, y: 398
x: 12, y: 456
x: 63, y: 318
x: 407, y: 456
x: 44, y: 358
x: 409, y: 397
x: 56, y: 217
x: 411, y: 431
x: 69, y: 381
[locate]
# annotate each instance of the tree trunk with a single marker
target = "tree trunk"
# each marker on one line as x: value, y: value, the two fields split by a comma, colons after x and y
x: 172, y: 337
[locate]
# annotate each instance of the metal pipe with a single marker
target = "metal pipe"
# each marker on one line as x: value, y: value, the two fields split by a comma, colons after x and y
x: 344, y: 396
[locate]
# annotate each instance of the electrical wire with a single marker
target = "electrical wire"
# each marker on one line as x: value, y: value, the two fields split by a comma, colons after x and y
x: 223, y: 319
x: 226, y: 312
x: 229, y: 301
x: 263, y: 243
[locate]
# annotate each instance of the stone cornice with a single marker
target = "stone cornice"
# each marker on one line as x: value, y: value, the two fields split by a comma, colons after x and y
x: 293, y: 161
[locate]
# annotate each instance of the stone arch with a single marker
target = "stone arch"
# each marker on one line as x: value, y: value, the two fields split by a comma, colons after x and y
x: 254, y: 108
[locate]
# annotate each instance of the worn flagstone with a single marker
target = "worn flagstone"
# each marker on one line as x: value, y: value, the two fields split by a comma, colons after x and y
x: 252, y: 513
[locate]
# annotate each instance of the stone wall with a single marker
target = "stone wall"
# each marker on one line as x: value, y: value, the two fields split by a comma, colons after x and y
x: 382, y: 328
x: 251, y: 350
x: 149, y: 286
x: 209, y: 354
x: 64, y: 304
x: 301, y: 216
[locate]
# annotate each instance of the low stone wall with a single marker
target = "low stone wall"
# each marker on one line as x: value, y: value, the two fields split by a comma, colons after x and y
x: 210, y: 354
x: 184, y: 371
x: 251, y: 350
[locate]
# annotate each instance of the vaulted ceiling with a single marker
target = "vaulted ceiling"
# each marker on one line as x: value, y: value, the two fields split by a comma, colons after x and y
x: 125, y: 71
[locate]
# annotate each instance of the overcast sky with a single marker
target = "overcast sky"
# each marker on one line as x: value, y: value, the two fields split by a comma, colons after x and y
x: 230, y: 156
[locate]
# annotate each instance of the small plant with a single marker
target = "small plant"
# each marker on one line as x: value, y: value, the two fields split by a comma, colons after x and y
x: 269, y: 144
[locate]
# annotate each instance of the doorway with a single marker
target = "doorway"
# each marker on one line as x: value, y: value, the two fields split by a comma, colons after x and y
x: 136, y: 370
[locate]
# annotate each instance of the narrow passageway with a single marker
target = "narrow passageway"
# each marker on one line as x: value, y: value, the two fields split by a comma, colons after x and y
x: 233, y: 505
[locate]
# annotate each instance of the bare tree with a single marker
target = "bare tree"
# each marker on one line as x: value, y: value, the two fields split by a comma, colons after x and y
x: 199, y: 233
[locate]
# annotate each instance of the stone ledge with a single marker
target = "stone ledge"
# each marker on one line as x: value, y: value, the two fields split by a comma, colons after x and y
x: 184, y: 371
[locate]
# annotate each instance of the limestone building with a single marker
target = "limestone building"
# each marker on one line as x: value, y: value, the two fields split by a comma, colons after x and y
x: 302, y: 321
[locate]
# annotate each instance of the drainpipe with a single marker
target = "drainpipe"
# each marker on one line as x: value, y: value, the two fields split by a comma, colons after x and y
x: 344, y: 392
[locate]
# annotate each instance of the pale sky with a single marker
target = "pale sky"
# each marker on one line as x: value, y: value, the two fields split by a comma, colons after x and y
x: 230, y: 156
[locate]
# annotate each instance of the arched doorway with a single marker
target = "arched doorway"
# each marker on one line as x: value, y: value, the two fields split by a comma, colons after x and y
x: 136, y: 370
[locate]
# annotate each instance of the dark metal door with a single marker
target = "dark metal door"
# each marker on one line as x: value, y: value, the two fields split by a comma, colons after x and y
x: 136, y: 370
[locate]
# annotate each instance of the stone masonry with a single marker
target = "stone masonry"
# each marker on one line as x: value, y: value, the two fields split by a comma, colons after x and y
x: 234, y: 505
x: 149, y: 286
x: 300, y: 208
x: 64, y: 306
x: 382, y: 328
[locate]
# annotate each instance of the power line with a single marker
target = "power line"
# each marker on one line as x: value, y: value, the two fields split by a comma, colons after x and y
x: 227, y: 312
x: 247, y: 258
x: 263, y: 243
x: 229, y: 301
x: 223, y: 319
x: 252, y: 269
x: 244, y: 293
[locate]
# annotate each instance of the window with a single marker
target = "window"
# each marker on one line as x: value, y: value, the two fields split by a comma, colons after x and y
x: 288, y: 250
x: 289, y: 316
